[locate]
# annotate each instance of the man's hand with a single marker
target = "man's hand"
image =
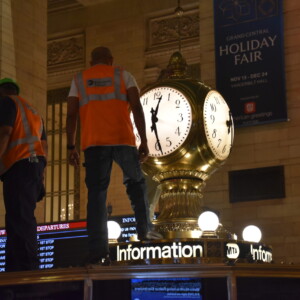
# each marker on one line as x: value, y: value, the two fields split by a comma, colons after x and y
x: 143, y: 152
x: 74, y: 159
x: 139, y: 120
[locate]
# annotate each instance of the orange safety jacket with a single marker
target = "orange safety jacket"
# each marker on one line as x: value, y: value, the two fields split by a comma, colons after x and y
x: 25, y: 139
x: 103, y: 107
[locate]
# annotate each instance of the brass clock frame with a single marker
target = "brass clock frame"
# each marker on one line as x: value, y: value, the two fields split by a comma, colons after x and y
x: 182, y: 173
x: 194, y: 153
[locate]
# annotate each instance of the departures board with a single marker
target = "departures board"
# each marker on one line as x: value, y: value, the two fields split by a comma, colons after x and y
x: 62, y: 245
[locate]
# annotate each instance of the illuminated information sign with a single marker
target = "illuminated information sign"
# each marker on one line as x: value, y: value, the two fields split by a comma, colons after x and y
x: 64, y: 245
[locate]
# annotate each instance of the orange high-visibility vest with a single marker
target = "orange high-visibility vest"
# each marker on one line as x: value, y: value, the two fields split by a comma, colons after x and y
x: 25, y: 139
x: 103, y: 107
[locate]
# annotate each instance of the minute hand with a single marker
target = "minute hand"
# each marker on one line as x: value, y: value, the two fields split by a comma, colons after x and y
x: 154, y: 120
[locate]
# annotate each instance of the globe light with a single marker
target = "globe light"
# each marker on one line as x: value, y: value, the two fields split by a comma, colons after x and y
x: 208, y: 221
x: 252, y: 233
x: 114, y: 231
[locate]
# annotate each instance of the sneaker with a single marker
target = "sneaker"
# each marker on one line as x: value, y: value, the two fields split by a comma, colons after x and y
x: 151, y: 235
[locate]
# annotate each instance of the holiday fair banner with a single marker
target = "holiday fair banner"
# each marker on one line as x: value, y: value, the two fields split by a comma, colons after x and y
x: 250, y: 59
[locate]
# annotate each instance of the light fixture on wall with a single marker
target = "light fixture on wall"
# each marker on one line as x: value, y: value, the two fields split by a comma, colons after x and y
x: 252, y: 233
x: 114, y: 231
x: 208, y: 222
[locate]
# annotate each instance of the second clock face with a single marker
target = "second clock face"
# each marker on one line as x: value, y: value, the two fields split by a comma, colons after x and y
x: 218, y: 125
x: 168, y: 117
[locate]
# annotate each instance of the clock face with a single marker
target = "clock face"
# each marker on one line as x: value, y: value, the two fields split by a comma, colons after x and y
x: 168, y: 117
x: 218, y: 125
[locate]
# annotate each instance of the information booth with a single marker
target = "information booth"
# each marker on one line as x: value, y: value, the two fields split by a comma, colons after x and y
x: 231, y: 276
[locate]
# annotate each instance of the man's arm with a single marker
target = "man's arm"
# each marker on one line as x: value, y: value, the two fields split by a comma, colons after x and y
x: 44, y: 140
x: 8, y: 112
x: 72, y: 117
x: 139, y: 120
x: 5, y: 132
x: 45, y: 147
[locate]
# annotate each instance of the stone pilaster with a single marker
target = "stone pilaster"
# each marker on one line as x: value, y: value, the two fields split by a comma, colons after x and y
x: 23, y: 56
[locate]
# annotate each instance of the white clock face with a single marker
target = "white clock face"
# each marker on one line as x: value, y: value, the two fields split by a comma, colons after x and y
x: 218, y: 125
x: 168, y: 117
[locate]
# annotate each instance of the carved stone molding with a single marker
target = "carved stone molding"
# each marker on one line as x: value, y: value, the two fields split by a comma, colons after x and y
x: 66, y: 52
x: 163, y: 41
x: 163, y: 30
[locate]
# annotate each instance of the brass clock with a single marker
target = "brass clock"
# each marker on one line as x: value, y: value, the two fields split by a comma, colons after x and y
x: 185, y: 118
x: 190, y: 135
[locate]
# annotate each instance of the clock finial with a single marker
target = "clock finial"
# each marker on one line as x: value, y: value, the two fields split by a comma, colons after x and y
x: 177, y: 67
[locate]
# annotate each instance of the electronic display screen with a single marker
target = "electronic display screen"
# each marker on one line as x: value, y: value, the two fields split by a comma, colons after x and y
x: 170, y: 288
x: 62, y: 245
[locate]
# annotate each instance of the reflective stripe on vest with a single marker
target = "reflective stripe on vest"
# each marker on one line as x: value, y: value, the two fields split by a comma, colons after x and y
x: 29, y: 138
x: 101, y: 97
x: 9, y: 157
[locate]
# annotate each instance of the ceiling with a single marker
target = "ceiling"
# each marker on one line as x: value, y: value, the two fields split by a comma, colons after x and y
x: 59, y: 5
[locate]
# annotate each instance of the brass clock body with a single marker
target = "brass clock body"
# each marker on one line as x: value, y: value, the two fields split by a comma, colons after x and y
x: 194, y: 153
x: 190, y: 134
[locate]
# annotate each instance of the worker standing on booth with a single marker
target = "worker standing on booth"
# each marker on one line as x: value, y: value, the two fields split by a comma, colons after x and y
x: 102, y: 97
x: 23, y: 150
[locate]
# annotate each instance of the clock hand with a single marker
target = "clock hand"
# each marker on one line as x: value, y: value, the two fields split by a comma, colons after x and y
x: 229, y: 122
x: 154, y: 120
x: 156, y: 110
x: 153, y: 128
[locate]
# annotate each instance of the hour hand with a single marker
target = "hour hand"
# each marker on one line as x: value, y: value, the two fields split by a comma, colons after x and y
x: 229, y: 122
x: 154, y: 119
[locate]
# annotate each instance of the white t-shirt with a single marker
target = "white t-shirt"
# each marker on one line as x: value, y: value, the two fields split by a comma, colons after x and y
x: 128, y: 79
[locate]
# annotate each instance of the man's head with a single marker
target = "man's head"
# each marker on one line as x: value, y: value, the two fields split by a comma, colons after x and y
x: 8, y: 87
x: 101, y: 55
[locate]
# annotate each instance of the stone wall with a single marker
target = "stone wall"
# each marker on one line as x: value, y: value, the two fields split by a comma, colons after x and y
x: 23, y: 53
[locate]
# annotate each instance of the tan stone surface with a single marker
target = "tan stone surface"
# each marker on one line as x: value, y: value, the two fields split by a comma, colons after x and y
x: 23, y: 56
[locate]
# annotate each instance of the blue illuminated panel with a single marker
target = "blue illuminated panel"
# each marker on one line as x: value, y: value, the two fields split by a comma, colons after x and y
x: 64, y: 245
x: 170, y: 288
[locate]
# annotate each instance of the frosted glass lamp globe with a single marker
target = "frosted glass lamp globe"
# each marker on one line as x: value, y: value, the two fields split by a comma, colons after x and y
x: 252, y: 233
x: 208, y: 221
x: 114, y: 231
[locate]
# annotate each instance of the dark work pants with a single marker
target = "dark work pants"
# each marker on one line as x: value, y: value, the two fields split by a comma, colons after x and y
x: 98, y: 164
x: 22, y: 188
